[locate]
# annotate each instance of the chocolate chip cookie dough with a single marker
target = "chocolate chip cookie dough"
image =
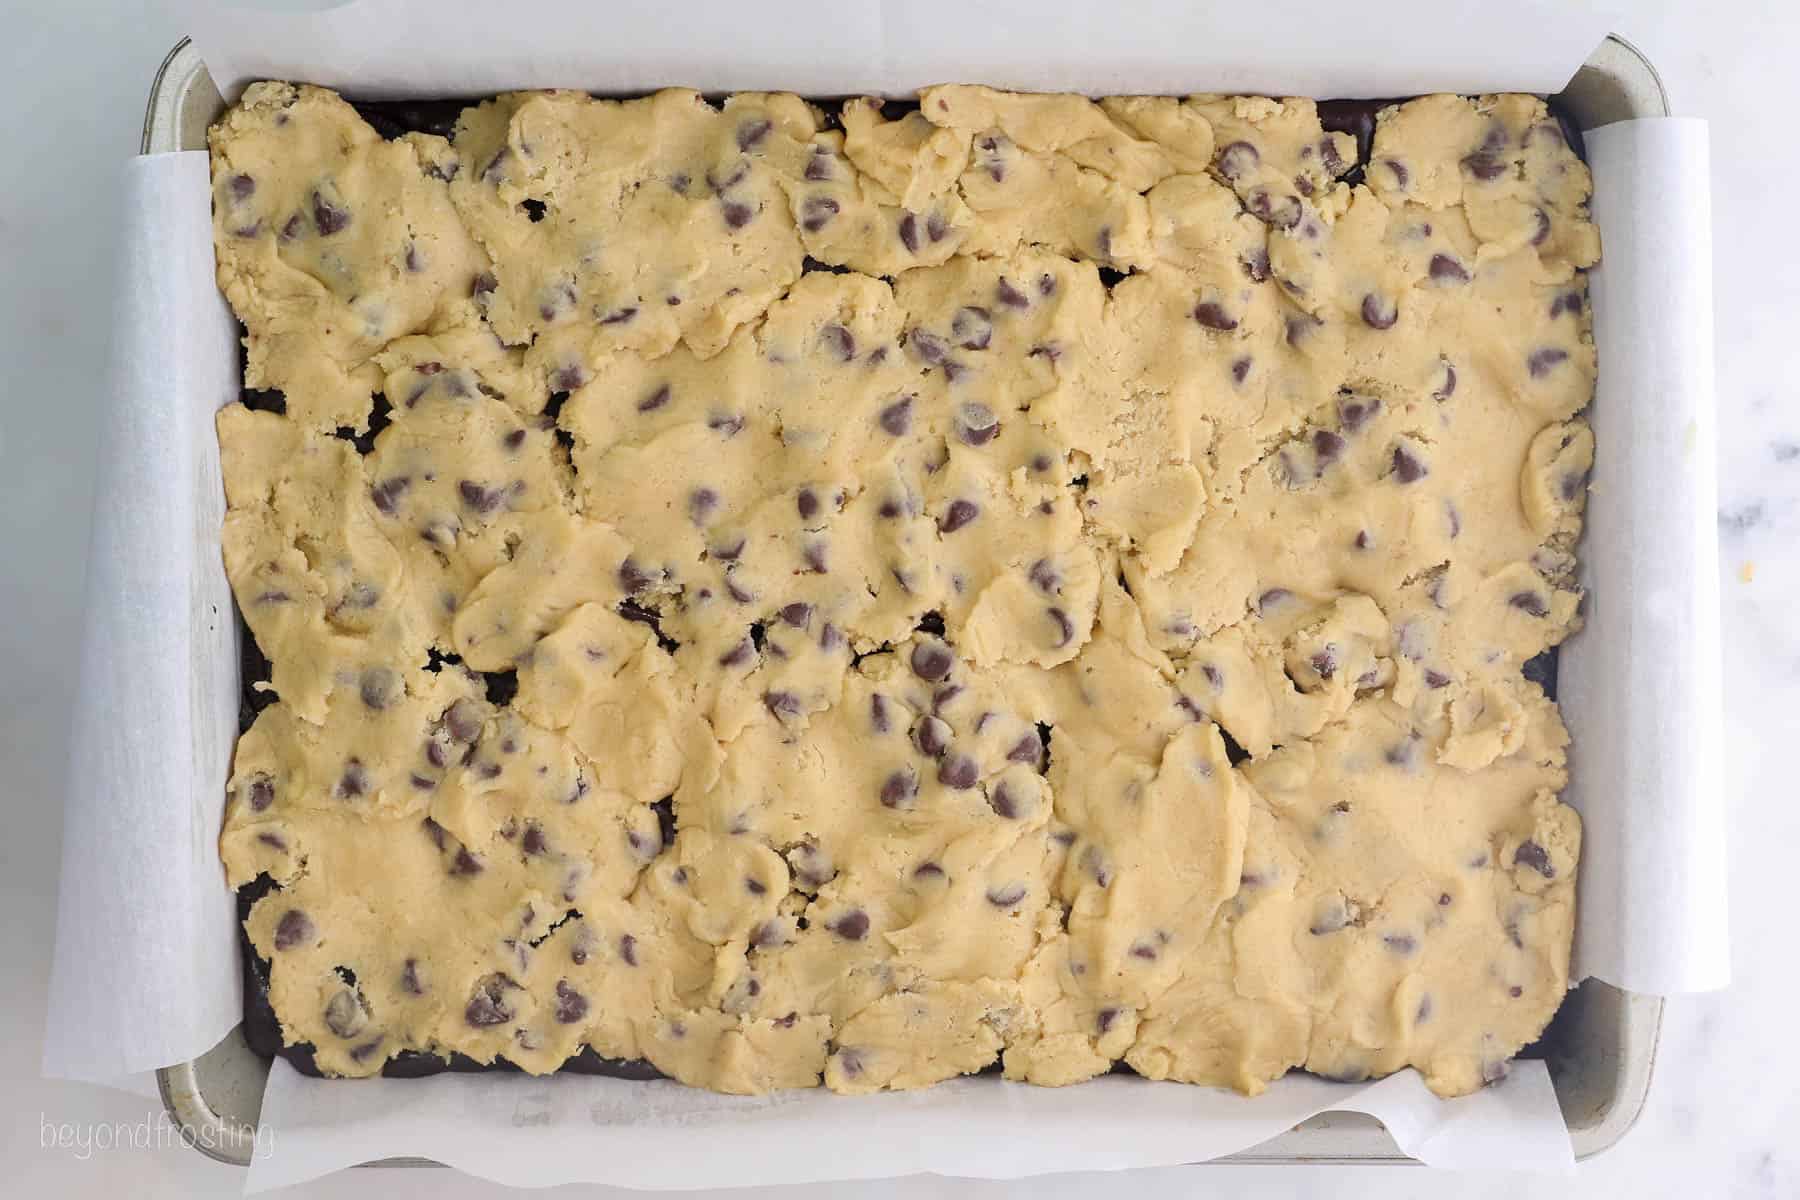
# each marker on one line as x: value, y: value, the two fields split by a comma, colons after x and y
x: 809, y: 597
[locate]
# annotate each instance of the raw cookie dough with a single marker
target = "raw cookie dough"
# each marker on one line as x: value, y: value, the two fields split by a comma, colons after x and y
x: 852, y: 599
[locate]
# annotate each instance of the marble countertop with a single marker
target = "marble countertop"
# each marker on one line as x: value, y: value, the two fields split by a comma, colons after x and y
x: 1724, y: 1111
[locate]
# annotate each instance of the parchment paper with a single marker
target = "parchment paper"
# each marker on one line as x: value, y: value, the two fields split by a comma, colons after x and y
x: 661, y: 1135
x: 146, y: 959
x: 144, y: 974
x: 1640, y: 687
x: 854, y: 47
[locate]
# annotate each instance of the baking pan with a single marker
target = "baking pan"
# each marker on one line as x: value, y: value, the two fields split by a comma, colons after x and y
x: 1600, y: 1048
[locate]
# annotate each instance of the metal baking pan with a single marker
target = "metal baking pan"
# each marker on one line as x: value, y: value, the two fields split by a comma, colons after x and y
x: 1600, y: 1048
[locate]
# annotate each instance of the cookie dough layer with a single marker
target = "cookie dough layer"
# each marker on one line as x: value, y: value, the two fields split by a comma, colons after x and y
x: 802, y: 601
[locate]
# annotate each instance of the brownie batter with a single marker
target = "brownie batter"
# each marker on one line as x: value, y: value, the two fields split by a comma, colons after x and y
x: 1066, y: 568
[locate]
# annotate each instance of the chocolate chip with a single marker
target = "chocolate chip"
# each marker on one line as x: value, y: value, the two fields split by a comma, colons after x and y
x: 807, y: 503
x: 932, y: 736
x: 1530, y: 854
x: 935, y: 226
x: 533, y: 842
x: 410, y: 981
x: 1529, y: 603
x: 295, y: 928
x: 1212, y: 315
x: 1256, y: 266
x: 274, y: 841
x: 1300, y: 328
x: 260, y: 794
x: 1408, y: 468
x: 1448, y: 388
x: 380, y: 687
x: 242, y: 187
x: 1402, y: 944
x: 1238, y: 159
x: 896, y: 418
x: 1003, y: 802
x: 1379, y: 313
x: 958, y: 771
x: 784, y: 706
x: 878, y: 713
x: 972, y: 327
x: 327, y: 217
x: 1542, y: 361
x: 1007, y: 895
x: 818, y: 167
x: 1010, y: 296
x: 728, y: 424
x: 465, y: 864
x: 633, y: 578
x: 702, y: 503
x: 814, y: 557
x: 957, y: 515
x: 1143, y: 950
x: 1029, y: 749
x: 899, y: 788
x: 751, y: 133
x: 1324, y: 663
x: 354, y: 781
x: 1283, y: 213
x: 853, y: 926
x: 1484, y: 165
x: 1445, y: 269
x: 909, y: 233
x: 463, y: 721
x: 1065, y: 628
x: 628, y: 950
x: 1240, y: 369
x: 1542, y: 233
x: 931, y: 661
x: 1103, y: 1020
x: 344, y: 1014
x: 738, y: 655
x: 1330, y: 921
x: 737, y: 214
x: 571, y: 1005
x: 976, y: 424
x: 928, y: 346
x: 480, y: 499
x: 1327, y: 446
x: 1436, y: 679
x: 619, y: 316
x: 816, y: 212
x: 488, y: 1005
x: 654, y: 400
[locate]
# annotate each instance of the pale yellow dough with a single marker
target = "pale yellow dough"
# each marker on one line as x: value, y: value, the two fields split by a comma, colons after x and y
x: 1033, y: 581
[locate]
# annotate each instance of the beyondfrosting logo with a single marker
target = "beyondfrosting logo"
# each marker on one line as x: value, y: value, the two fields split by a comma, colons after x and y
x: 84, y: 1139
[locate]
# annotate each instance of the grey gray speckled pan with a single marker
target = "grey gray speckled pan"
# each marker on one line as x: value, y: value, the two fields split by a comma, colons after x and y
x: 1601, y: 1047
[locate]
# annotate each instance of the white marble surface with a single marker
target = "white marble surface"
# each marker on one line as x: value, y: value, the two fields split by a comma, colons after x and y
x: 1724, y: 1113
